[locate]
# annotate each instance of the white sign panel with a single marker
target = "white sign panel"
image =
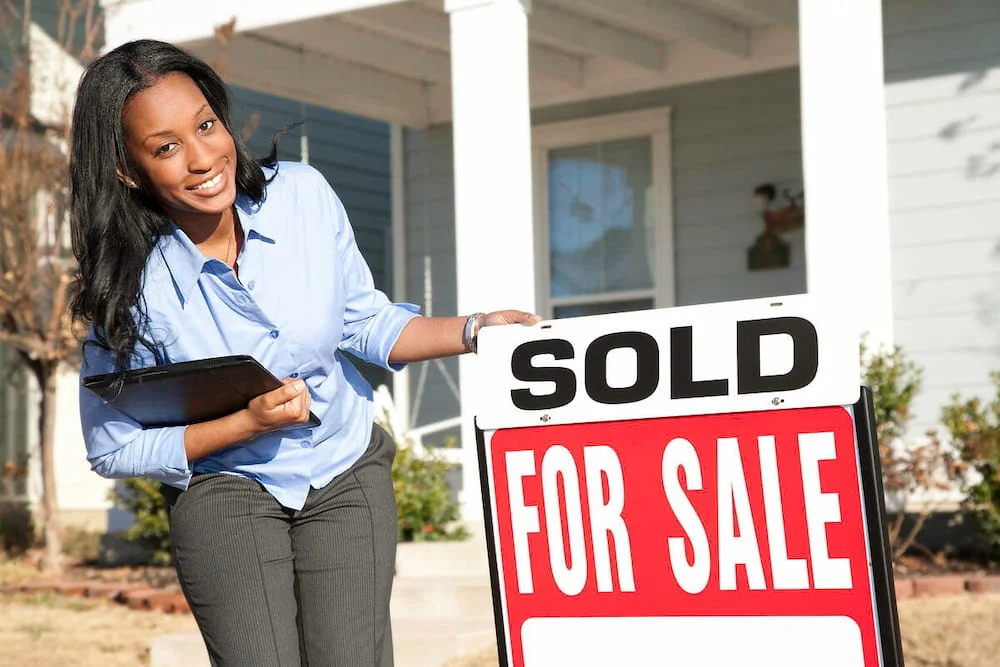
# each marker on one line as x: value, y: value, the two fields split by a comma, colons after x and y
x: 740, y: 356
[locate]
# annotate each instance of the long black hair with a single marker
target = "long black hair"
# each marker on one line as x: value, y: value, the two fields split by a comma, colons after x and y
x: 114, y: 227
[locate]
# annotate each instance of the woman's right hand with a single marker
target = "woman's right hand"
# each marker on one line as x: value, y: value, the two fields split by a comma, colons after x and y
x: 280, y: 407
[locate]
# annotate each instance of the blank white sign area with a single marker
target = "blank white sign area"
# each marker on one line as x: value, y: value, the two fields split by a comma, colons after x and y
x: 746, y: 641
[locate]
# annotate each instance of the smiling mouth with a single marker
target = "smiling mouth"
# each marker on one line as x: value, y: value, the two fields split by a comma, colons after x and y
x: 210, y: 183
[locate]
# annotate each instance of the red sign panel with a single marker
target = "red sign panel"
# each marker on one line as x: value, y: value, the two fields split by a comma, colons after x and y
x: 706, y: 539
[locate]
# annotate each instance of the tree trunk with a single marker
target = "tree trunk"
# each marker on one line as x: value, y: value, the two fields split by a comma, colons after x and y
x: 49, y: 506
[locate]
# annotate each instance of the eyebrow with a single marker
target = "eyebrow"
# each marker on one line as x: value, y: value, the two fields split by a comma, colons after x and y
x: 164, y: 133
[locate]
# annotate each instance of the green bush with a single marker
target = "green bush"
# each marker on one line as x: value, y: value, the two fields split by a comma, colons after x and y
x: 907, y: 469
x: 81, y: 545
x: 17, y: 530
x: 974, y: 427
x: 427, y: 510
x: 143, y: 499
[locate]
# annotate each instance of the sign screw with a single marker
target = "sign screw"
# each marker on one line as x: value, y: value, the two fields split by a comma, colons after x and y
x: 546, y: 418
x: 777, y: 400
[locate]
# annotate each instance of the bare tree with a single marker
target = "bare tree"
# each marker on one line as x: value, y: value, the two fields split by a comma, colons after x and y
x: 39, y: 75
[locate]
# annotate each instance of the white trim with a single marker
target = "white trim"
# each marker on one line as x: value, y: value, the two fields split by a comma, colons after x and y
x: 652, y: 123
x: 609, y: 127
x: 844, y: 138
x: 603, y: 297
x: 397, y: 171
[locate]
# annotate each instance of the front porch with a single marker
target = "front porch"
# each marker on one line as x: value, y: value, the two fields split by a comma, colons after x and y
x: 498, y: 106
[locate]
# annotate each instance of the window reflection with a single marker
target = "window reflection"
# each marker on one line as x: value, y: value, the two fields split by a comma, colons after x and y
x: 600, y: 231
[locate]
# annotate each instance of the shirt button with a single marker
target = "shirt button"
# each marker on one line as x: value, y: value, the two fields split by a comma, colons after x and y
x: 274, y: 333
x: 305, y: 443
x: 251, y: 285
x: 294, y: 375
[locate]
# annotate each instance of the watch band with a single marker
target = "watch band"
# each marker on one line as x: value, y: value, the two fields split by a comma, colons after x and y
x: 470, y: 334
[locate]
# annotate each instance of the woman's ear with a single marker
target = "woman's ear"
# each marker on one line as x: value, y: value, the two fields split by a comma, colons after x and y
x: 126, y: 180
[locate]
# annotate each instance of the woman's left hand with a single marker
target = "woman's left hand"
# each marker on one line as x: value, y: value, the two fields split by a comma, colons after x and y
x: 509, y: 317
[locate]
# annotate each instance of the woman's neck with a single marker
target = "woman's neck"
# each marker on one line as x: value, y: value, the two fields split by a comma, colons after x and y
x: 216, y: 238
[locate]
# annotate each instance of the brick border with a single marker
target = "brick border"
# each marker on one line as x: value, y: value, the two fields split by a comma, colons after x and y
x: 134, y: 596
x: 142, y: 597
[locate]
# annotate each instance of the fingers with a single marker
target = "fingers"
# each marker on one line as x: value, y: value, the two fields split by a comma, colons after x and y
x: 511, y: 317
x: 286, y: 405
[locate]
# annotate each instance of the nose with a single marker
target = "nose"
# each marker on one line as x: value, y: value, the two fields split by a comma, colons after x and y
x: 200, y: 156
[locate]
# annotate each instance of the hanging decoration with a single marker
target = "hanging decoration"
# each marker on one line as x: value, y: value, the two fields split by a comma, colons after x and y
x: 770, y: 250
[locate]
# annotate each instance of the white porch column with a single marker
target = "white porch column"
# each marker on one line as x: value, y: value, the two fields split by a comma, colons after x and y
x: 494, y: 240
x: 845, y: 165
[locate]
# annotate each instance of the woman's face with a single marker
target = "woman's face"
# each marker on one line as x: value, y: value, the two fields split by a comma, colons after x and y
x: 185, y: 156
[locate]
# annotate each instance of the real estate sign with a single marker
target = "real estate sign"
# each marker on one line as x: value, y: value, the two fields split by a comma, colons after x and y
x: 685, y: 486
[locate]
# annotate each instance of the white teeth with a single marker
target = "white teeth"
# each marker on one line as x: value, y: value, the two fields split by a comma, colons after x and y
x: 210, y: 183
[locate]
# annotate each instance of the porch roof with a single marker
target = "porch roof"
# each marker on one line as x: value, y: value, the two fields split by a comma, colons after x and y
x: 390, y: 59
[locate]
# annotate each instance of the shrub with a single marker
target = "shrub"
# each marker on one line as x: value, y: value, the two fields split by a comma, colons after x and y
x: 17, y: 529
x: 81, y: 545
x: 911, y: 469
x: 143, y: 499
x: 974, y: 427
x: 427, y: 510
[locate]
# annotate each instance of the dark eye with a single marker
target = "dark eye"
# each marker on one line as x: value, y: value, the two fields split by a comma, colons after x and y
x: 165, y: 148
x: 207, y: 125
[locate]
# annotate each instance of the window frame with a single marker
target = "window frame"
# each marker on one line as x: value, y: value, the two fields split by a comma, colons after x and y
x: 649, y: 123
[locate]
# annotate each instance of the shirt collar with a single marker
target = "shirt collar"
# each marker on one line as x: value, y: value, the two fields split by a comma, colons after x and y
x: 185, y: 262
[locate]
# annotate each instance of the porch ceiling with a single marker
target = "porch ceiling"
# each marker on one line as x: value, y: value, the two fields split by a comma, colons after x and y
x: 390, y: 60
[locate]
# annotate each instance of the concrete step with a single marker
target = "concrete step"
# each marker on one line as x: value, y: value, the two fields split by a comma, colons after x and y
x: 439, y: 559
x: 442, y: 597
x: 178, y: 650
x: 433, y: 642
x: 416, y: 643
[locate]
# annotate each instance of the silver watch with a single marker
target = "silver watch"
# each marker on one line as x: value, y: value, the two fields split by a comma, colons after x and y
x: 470, y: 334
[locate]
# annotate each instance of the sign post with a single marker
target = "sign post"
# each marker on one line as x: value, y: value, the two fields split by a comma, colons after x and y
x: 686, y: 486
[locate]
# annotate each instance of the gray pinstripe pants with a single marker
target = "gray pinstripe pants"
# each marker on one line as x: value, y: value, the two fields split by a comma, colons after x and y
x: 273, y: 587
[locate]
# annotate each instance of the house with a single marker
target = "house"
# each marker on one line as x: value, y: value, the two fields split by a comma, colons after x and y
x: 584, y: 156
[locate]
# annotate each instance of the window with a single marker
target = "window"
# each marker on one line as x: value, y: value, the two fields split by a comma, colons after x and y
x: 602, y: 215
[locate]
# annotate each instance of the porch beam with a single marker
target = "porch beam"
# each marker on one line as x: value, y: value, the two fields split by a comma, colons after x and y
x: 271, y: 67
x: 782, y: 12
x: 567, y: 30
x: 336, y: 38
x: 668, y: 21
x: 410, y: 23
x: 848, y: 252
x: 171, y: 20
x: 494, y: 226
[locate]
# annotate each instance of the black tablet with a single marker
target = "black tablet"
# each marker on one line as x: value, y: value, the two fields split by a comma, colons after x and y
x: 187, y: 392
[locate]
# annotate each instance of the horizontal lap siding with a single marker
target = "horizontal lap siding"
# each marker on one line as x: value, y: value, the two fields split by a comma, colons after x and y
x: 430, y: 239
x: 943, y: 112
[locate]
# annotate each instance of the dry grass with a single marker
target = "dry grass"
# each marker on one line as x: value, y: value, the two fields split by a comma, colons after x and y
x: 958, y: 631
x: 43, y: 630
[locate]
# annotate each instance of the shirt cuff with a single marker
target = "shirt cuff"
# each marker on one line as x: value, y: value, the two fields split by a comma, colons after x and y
x: 392, y: 319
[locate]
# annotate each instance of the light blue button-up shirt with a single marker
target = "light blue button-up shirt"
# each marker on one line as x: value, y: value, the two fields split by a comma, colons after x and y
x: 304, y: 296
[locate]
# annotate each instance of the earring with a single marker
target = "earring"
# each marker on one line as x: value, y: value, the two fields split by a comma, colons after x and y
x: 132, y: 184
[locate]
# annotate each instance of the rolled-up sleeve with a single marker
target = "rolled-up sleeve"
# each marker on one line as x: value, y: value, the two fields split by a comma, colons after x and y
x: 118, y: 446
x: 372, y: 323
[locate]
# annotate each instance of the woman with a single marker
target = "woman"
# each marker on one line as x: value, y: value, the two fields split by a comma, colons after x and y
x: 283, y: 534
